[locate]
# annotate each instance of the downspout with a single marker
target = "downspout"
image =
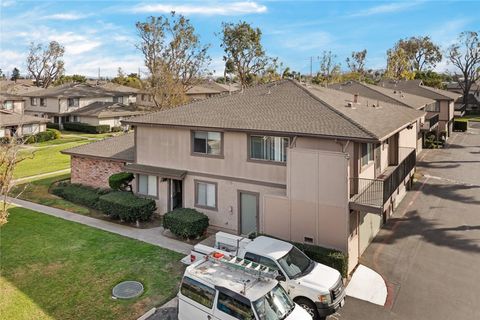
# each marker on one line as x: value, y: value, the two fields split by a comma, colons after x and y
x: 343, y: 146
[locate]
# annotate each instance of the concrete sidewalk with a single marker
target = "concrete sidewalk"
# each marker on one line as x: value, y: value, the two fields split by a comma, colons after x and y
x: 153, y: 236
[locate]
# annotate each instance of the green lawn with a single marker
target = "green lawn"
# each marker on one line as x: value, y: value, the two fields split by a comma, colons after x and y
x: 473, y: 117
x: 56, y: 269
x: 37, y: 191
x: 89, y: 135
x: 44, y: 160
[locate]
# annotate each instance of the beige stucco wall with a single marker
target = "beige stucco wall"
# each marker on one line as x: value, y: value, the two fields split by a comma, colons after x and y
x: 316, y: 204
x: 51, y: 105
x: 171, y: 148
x: 90, y: 120
x: 407, y: 138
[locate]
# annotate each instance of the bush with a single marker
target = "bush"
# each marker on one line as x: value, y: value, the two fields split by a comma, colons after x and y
x: 56, y: 133
x: 329, y: 257
x: 52, y: 125
x: 126, y: 206
x: 78, y: 194
x: 116, y: 129
x: 186, y: 223
x: 460, y: 125
x: 120, y: 181
x: 84, y: 127
x: 39, y: 137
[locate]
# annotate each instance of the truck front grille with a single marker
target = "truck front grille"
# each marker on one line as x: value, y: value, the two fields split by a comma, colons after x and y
x: 337, y: 290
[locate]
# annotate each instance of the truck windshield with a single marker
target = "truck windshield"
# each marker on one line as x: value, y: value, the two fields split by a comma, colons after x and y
x: 274, y: 305
x: 295, y: 263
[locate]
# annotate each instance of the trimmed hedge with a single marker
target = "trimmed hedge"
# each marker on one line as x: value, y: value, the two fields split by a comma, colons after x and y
x: 52, y: 125
x: 116, y: 129
x: 186, y: 223
x: 56, y: 133
x: 40, y: 137
x: 460, y: 125
x: 329, y: 257
x: 79, y: 194
x: 126, y: 206
x: 120, y: 181
x: 84, y: 127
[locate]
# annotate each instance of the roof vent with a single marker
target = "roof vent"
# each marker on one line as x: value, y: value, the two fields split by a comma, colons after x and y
x: 350, y: 105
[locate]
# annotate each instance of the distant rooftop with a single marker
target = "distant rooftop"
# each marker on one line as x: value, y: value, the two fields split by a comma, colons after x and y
x: 120, y: 148
x: 8, y: 118
x: 108, y: 110
x: 416, y: 87
x: 74, y: 90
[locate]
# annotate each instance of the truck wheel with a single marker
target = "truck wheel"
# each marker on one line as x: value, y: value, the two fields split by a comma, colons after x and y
x: 309, y: 306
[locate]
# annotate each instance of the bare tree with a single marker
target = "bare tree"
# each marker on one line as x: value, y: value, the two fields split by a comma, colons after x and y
x: 244, y: 54
x: 329, y: 68
x: 44, y: 63
x: 173, y: 55
x: 356, y: 63
x: 465, y: 55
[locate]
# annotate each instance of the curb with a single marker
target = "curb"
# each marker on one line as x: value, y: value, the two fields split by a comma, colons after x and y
x: 148, y: 314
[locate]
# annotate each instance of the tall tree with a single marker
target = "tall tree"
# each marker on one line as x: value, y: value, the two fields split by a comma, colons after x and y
x: 75, y: 78
x: 174, y: 57
x: 45, y: 63
x: 15, y: 75
x: 244, y: 55
x: 398, y: 65
x: 356, y: 63
x: 465, y: 55
x: 422, y: 53
x: 329, y: 69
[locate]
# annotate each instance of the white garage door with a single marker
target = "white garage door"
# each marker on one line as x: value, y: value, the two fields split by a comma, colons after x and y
x: 370, y: 224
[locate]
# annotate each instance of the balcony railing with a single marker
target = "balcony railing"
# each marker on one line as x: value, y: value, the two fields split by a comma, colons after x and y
x: 374, y: 193
x: 430, y: 122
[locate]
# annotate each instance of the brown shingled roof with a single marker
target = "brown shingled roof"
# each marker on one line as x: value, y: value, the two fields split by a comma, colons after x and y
x: 117, y: 148
x: 281, y: 107
x: 8, y: 118
x: 101, y: 109
x: 416, y: 87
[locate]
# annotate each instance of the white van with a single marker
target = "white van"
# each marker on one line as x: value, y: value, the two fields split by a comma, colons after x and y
x: 228, y: 288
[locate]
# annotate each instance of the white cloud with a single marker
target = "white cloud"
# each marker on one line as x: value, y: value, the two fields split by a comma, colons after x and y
x: 217, y: 8
x: 7, y: 3
x: 65, y: 16
x: 385, y: 8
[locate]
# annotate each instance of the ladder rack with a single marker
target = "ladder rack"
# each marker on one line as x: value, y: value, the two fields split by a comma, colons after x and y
x: 250, y: 267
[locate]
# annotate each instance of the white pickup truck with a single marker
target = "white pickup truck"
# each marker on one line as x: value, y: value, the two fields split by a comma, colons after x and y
x: 317, y: 288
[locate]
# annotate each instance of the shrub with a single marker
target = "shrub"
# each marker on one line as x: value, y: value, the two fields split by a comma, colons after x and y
x: 52, y: 125
x: 56, y: 133
x: 460, y: 125
x: 45, y: 136
x: 84, y: 127
x: 330, y: 257
x: 120, y: 181
x: 78, y: 194
x: 186, y: 223
x: 126, y: 206
x: 116, y: 129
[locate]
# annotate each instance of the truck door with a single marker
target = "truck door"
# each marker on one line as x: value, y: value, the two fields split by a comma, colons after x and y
x: 195, y: 301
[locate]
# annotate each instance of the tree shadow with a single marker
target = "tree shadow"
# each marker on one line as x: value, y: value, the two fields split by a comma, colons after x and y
x: 453, y: 192
x: 412, y: 224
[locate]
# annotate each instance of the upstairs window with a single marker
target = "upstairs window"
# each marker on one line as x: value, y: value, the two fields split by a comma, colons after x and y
x: 118, y: 99
x: 42, y: 102
x: 367, y: 153
x: 73, y: 102
x: 268, y: 148
x: 8, y: 105
x: 33, y: 101
x: 207, y: 142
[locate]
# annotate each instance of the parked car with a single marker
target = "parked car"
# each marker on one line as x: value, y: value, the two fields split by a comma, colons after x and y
x: 316, y: 287
x: 217, y: 288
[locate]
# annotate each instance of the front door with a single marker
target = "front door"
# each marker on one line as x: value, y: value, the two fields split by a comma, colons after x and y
x: 176, y: 200
x: 248, y: 208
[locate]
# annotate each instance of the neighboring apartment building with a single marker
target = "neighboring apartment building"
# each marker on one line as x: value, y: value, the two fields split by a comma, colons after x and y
x: 56, y: 103
x: 105, y: 113
x: 12, y: 103
x: 445, y: 99
x: 15, y: 124
x: 473, y: 98
x: 307, y: 164
x: 377, y: 95
x: 201, y: 91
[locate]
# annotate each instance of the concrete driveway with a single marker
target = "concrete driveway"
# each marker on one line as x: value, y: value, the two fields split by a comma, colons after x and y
x: 429, y: 252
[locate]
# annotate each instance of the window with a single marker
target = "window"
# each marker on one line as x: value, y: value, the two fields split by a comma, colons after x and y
x: 147, y: 185
x: 33, y: 101
x: 367, y: 153
x: 206, y: 195
x: 143, y: 97
x: 235, y: 308
x: 118, y: 99
x: 73, y: 102
x: 208, y: 143
x: 8, y: 105
x: 268, y: 148
x: 42, y: 102
x: 198, y: 292
x: 434, y: 107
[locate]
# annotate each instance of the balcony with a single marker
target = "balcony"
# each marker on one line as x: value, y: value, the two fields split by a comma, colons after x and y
x: 431, y: 121
x: 372, y: 194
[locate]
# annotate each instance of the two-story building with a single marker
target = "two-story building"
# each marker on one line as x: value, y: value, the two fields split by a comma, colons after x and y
x: 376, y: 94
x: 308, y: 164
x: 57, y: 102
x: 445, y: 105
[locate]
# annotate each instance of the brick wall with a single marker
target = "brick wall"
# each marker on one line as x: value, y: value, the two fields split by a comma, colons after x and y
x: 93, y: 172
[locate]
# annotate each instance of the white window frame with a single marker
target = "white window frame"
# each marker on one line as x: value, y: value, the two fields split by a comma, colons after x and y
x: 281, y: 154
x: 152, y: 185
x: 211, y: 201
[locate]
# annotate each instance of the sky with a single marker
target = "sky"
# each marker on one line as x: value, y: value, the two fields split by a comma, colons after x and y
x: 101, y: 34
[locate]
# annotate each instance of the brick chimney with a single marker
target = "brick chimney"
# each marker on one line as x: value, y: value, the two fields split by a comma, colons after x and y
x: 355, y: 98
